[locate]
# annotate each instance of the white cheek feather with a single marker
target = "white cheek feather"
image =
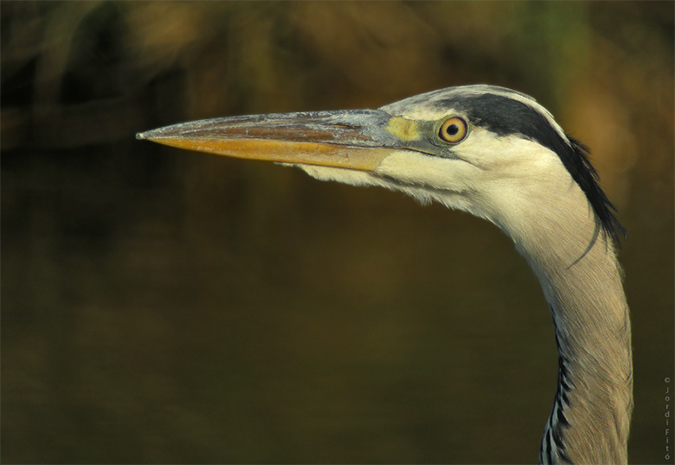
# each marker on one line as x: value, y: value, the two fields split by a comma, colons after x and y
x: 526, y: 191
x: 428, y: 171
x: 411, y: 173
x: 345, y: 176
x: 506, y: 156
x: 503, y: 181
x: 361, y: 178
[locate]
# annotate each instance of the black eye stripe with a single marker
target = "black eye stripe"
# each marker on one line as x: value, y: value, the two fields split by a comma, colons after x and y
x: 507, y: 116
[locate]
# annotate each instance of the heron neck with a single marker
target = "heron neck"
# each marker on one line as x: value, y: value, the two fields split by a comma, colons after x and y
x: 593, y: 404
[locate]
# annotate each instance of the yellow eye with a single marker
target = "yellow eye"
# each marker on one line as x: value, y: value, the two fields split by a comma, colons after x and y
x: 453, y: 130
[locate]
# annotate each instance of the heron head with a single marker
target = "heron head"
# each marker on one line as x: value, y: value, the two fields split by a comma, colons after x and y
x: 488, y: 150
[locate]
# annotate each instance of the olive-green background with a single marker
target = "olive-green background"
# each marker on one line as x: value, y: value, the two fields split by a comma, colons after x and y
x: 161, y: 306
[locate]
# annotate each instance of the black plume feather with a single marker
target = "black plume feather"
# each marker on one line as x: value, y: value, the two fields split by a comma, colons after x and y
x: 575, y: 158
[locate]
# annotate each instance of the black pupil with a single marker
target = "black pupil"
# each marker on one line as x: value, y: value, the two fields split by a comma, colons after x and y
x: 452, y: 129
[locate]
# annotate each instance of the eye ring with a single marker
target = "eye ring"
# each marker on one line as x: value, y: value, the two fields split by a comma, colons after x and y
x: 453, y: 130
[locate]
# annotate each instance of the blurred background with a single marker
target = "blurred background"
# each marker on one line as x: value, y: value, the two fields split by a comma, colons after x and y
x: 161, y: 306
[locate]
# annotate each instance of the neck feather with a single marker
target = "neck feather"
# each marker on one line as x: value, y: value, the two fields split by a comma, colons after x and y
x: 583, y: 286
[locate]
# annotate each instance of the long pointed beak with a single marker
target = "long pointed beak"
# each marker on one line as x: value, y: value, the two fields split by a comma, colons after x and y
x: 356, y: 139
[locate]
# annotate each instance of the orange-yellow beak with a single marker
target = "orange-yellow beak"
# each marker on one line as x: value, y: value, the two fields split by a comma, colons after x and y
x: 356, y: 139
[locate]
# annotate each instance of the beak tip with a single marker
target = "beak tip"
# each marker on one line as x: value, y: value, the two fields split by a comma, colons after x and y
x: 167, y: 132
x: 148, y: 135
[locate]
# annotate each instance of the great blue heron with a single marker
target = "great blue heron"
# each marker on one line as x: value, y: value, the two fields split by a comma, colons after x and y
x: 499, y: 155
